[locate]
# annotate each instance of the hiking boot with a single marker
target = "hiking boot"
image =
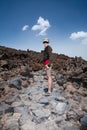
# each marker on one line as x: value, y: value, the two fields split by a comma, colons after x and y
x: 48, y: 94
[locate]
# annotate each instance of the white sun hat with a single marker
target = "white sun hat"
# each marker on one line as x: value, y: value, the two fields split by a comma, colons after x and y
x: 46, y: 40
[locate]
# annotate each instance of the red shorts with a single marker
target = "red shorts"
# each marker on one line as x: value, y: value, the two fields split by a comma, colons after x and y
x: 46, y: 62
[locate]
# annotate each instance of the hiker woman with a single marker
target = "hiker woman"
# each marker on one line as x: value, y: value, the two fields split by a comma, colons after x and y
x: 46, y: 59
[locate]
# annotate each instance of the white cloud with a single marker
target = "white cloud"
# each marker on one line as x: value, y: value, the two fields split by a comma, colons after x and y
x: 25, y: 27
x: 42, y: 25
x: 77, y: 35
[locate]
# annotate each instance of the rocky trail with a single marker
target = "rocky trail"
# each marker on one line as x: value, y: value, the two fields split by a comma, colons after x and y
x: 24, y: 104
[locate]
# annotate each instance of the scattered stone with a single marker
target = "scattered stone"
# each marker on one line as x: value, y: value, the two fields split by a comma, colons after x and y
x: 25, y: 84
x: 61, y: 108
x: 72, y: 128
x: 9, y: 110
x: 15, y: 84
x: 41, y: 113
x: 3, y: 107
x: 84, y: 122
x: 44, y: 101
x: 28, y: 125
x: 11, y: 123
x: 10, y: 99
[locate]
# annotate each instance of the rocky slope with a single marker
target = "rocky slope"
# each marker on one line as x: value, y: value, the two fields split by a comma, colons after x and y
x: 24, y: 104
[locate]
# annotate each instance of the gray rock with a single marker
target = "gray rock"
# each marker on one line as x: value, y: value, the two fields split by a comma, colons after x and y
x: 22, y: 110
x: 58, y: 119
x: 34, y: 106
x: 72, y: 128
x: 24, y: 118
x: 17, y: 104
x: 44, y: 101
x: 3, y: 107
x: 24, y: 114
x: 53, y: 103
x: 84, y: 121
x: 11, y: 124
x: 9, y: 110
x: 2, y: 85
x: 47, y: 125
x: 60, y: 98
x: 83, y: 128
x: 11, y: 98
x: 28, y: 125
x: 27, y: 91
x: 15, y: 84
x: 61, y: 108
x: 41, y: 113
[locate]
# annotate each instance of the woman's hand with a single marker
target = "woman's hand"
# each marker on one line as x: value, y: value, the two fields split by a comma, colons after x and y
x: 47, y: 67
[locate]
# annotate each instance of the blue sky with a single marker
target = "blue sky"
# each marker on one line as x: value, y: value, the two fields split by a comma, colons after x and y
x: 25, y: 23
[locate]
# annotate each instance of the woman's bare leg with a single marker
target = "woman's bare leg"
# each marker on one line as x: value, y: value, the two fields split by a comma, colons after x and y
x: 48, y: 71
